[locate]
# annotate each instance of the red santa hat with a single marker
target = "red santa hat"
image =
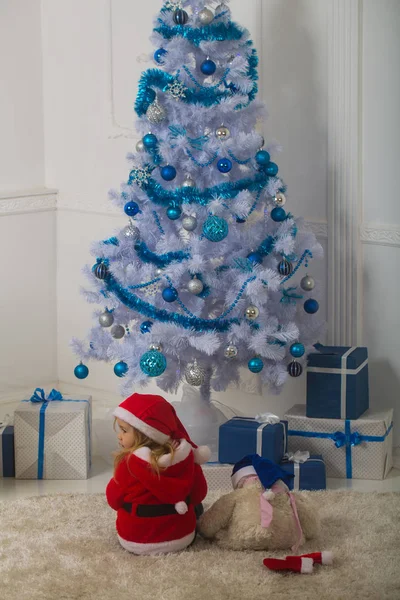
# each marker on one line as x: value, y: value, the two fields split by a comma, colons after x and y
x: 156, y: 418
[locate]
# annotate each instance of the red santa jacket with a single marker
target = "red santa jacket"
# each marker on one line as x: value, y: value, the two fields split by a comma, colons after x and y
x: 137, y: 484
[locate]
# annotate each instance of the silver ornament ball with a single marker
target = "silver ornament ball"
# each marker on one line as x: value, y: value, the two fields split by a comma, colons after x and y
x: 156, y: 113
x: 189, y: 183
x: 195, y: 375
x: 307, y: 283
x: 106, y: 319
x: 252, y: 313
x: 189, y: 223
x: 156, y: 347
x: 231, y: 351
x: 140, y: 146
x: 158, y: 272
x: 118, y: 332
x: 280, y: 199
x: 195, y: 286
x: 223, y: 133
x: 206, y: 16
x: 131, y: 232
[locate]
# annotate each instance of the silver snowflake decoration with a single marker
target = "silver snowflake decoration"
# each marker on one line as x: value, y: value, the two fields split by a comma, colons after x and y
x: 140, y: 175
x: 152, y: 290
x: 173, y: 4
x: 177, y: 89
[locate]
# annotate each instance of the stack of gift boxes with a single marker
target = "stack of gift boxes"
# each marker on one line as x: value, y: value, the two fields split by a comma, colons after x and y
x: 50, y: 438
x: 333, y: 435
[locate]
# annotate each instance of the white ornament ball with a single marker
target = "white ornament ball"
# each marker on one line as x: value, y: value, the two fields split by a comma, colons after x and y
x: 280, y: 199
x: 158, y: 272
x: 140, y: 146
x: 307, y: 283
x: 106, y: 319
x: 206, y: 16
x: 231, y: 351
x: 189, y: 183
x: 156, y: 347
x: 195, y: 286
x: 223, y: 133
x: 189, y: 223
x: 252, y: 313
x: 195, y: 375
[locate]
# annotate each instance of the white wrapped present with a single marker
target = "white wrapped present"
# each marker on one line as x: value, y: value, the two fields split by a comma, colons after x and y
x: 53, y: 437
x: 360, y: 449
x: 218, y: 476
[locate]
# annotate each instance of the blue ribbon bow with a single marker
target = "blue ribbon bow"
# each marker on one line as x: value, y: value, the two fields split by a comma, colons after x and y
x: 40, y: 396
x: 341, y: 439
x: 290, y: 297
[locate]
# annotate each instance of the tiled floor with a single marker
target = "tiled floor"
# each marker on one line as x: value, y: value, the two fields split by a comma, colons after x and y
x: 11, y: 489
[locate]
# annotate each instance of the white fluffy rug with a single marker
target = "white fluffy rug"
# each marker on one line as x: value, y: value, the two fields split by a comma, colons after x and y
x: 64, y: 548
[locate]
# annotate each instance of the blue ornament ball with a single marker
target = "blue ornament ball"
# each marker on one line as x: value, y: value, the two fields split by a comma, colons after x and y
x: 121, y: 369
x: 285, y: 268
x: 170, y: 294
x: 174, y: 213
x: 255, y: 258
x: 224, y: 165
x: 153, y: 363
x: 256, y: 365
x: 215, y: 229
x: 131, y: 209
x: 159, y: 55
x: 278, y: 214
x: 180, y: 17
x: 208, y: 67
x: 146, y: 326
x: 81, y: 371
x: 311, y: 306
x: 168, y: 173
x: 297, y: 350
x: 263, y: 158
x: 150, y: 141
x: 100, y: 271
x: 272, y: 169
x: 295, y: 369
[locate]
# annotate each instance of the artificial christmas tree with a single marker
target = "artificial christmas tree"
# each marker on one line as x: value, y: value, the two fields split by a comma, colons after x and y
x: 200, y: 282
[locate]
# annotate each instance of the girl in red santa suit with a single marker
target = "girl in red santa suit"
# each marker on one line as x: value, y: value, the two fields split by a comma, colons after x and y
x: 157, y: 479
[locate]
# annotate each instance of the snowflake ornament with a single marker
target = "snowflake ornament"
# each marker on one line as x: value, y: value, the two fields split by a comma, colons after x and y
x: 173, y: 5
x: 177, y: 89
x: 141, y: 175
x: 152, y: 290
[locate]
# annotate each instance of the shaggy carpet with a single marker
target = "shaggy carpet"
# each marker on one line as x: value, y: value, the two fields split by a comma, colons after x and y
x: 64, y: 547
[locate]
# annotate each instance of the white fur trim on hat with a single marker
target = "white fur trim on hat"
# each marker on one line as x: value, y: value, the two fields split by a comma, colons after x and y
x: 307, y: 565
x: 202, y: 455
x: 151, y: 432
x: 243, y: 472
x: 180, y: 454
x: 181, y: 508
x: 327, y: 557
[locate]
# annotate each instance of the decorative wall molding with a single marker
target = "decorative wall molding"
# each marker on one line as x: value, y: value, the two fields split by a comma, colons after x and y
x: 27, y: 201
x: 344, y: 185
x: 380, y: 234
x: 319, y: 228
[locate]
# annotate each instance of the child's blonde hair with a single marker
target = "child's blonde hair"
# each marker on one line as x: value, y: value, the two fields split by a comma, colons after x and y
x: 141, y: 440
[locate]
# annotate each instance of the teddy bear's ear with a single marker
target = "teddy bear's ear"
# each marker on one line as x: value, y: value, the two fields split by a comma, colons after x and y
x: 202, y: 455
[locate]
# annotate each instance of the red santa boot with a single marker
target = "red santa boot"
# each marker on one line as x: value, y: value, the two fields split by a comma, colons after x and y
x: 296, y: 564
x: 320, y: 558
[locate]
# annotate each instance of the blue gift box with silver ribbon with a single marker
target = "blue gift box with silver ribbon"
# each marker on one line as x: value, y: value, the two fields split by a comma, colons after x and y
x: 337, y: 382
x: 309, y: 471
x: 265, y: 435
x: 7, y: 460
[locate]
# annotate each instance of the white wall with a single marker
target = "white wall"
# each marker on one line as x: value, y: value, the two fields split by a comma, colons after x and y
x: 27, y: 210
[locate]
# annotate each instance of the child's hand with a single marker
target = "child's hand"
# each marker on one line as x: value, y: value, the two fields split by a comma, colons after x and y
x: 175, y: 444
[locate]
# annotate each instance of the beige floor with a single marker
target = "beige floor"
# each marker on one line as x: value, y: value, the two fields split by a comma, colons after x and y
x: 11, y: 489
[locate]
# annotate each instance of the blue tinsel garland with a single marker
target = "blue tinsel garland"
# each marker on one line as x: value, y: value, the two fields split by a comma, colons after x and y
x: 159, y: 260
x: 209, y: 33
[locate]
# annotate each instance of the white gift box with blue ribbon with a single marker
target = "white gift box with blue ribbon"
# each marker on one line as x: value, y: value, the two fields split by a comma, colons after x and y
x: 264, y: 435
x: 359, y: 449
x: 337, y: 382
x: 53, y: 436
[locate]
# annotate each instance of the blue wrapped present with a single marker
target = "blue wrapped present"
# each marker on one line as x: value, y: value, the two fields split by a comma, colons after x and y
x: 337, y: 382
x: 266, y: 436
x: 309, y: 471
x: 7, y: 460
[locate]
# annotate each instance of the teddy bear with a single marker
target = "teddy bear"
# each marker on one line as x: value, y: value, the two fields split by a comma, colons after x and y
x: 260, y: 513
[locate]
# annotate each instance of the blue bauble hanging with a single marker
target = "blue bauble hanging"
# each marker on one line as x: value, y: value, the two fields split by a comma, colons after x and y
x: 159, y: 55
x: 131, y: 209
x: 285, y: 268
x: 278, y: 214
x: 100, y: 271
x: 297, y: 350
x: 224, y: 165
x: 311, y: 306
x: 153, y: 363
x: 208, y: 67
x: 170, y: 294
x: 180, y: 17
x: 263, y: 158
x: 150, y: 141
x: 295, y: 369
x: 256, y: 365
x: 255, y: 258
x: 215, y: 229
x: 272, y: 169
x: 240, y: 220
x: 81, y: 371
x: 174, y: 213
x: 121, y: 369
x: 146, y: 326
x: 168, y: 173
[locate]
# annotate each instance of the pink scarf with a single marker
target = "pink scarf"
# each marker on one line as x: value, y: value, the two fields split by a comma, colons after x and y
x: 267, y: 510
